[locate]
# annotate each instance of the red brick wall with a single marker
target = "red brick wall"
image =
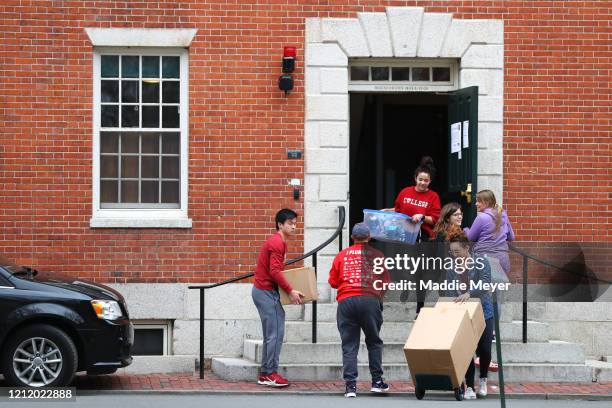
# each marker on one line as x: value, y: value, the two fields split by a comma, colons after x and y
x: 557, y: 126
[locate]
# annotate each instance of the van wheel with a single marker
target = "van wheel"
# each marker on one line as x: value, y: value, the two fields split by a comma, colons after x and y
x: 39, y: 356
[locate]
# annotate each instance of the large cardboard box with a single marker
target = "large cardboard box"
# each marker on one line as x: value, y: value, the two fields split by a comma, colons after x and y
x: 302, y: 280
x: 474, y: 310
x: 441, y: 343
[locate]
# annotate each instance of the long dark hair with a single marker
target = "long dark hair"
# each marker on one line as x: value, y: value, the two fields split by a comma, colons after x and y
x: 426, y: 166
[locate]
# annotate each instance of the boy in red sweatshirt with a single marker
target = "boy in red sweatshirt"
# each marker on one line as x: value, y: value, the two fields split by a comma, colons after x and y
x: 359, y: 279
x: 268, y: 278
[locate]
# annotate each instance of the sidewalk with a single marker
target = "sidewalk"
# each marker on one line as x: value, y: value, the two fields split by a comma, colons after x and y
x: 212, y: 384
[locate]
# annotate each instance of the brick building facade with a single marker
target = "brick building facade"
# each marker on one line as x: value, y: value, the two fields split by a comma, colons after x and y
x: 544, y: 142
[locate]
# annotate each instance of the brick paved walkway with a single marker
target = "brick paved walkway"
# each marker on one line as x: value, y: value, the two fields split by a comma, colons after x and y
x: 188, y: 381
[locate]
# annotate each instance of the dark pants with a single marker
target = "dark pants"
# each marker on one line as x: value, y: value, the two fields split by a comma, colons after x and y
x: 355, y: 314
x: 484, y: 352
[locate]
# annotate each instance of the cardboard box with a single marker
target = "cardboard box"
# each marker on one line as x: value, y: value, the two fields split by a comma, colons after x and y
x: 474, y: 310
x: 302, y: 280
x: 441, y: 343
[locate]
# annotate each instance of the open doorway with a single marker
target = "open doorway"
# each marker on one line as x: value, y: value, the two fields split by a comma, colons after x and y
x: 389, y: 134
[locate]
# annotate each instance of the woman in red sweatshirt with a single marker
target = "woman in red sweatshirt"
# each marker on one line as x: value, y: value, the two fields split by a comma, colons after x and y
x: 420, y: 203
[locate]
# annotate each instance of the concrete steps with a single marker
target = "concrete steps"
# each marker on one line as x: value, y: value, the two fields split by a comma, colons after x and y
x: 538, y: 360
x: 557, y: 352
x: 240, y: 369
x: 393, y: 331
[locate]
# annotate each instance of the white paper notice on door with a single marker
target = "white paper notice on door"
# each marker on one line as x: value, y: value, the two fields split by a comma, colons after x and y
x: 456, y: 137
x: 466, y: 139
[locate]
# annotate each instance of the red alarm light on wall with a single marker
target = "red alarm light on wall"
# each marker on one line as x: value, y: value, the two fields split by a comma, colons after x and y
x: 289, y: 53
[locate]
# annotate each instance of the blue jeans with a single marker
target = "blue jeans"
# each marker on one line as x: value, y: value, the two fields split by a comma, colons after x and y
x: 272, y: 317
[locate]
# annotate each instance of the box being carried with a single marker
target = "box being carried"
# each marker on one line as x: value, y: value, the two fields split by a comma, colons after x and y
x: 442, y: 343
x: 391, y: 226
x: 475, y: 313
x: 303, y: 280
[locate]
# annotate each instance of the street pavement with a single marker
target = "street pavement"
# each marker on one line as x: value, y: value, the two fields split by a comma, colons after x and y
x: 188, y: 400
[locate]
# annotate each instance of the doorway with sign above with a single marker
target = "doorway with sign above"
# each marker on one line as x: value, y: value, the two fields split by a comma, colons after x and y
x: 390, y: 133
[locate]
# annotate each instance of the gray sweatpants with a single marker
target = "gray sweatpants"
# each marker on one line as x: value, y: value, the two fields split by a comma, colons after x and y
x: 272, y: 317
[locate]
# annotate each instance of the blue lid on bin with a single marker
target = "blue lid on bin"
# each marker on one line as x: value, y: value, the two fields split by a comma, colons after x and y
x: 360, y: 231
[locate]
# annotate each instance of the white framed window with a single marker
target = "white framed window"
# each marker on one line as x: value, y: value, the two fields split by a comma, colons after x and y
x: 140, y: 142
x: 403, y: 75
x: 152, y: 338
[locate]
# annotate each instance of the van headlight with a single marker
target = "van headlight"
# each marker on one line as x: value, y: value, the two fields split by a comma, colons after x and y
x: 107, y: 309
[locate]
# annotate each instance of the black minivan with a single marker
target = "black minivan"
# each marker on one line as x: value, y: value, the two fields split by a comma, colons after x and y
x: 52, y: 327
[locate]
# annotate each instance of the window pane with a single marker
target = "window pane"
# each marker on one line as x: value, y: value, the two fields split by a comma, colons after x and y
x: 129, y: 143
x: 170, y: 143
x: 108, y: 167
x: 401, y: 74
x: 441, y: 74
x: 148, y: 342
x: 150, y: 91
x: 150, y: 142
x: 170, y: 192
x: 420, y: 74
x: 150, y: 67
x: 129, y: 191
x: 359, y: 73
x: 170, y: 92
x: 170, y: 67
x: 129, y: 116
x: 110, y: 66
x: 170, y: 167
x: 150, y: 167
x: 129, y: 166
x: 109, y: 116
x: 170, y: 117
x: 129, y: 91
x: 380, y: 73
x: 150, y: 116
x: 109, y: 142
x: 150, y: 192
x: 129, y: 66
x: 108, y: 191
x: 110, y: 91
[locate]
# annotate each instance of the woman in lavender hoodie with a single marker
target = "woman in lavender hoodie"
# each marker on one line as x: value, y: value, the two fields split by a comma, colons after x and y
x: 491, y: 230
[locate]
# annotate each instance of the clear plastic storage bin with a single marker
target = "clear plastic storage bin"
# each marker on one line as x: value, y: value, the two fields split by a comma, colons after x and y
x: 391, y: 226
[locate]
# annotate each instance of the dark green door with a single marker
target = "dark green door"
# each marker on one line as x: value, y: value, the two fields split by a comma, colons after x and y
x: 463, y: 148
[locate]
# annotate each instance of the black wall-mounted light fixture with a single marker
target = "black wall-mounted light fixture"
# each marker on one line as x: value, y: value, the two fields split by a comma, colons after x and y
x: 285, y: 82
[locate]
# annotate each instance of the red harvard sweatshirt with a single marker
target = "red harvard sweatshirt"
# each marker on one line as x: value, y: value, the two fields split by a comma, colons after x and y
x: 352, y: 272
x: 411, y: 202
x: 270, y: 265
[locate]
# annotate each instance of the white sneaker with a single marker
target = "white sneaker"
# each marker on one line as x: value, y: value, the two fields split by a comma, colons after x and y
x: 469, y: 394
x: 482, y: 390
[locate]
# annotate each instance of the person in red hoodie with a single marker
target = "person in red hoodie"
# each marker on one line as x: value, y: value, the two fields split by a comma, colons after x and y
x: 268, y: 278
x: 359, y: 279
x: 421, y: 204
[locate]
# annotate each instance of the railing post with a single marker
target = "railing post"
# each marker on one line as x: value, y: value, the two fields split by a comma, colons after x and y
x: 498, y: 349
x: 314, y: 303
x: 202, y: 333
x: 525, y: 282
x: 340, y: 234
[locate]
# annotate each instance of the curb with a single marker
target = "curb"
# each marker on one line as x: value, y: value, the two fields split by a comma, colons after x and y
x: 402, y: 394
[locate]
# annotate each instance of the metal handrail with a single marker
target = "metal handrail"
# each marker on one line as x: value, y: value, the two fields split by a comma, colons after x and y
x: 526, y: 258
x: 313, y: 253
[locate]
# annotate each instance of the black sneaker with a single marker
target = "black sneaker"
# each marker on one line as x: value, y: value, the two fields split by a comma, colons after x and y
x: 379, y: 386
x: 351, y: 390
